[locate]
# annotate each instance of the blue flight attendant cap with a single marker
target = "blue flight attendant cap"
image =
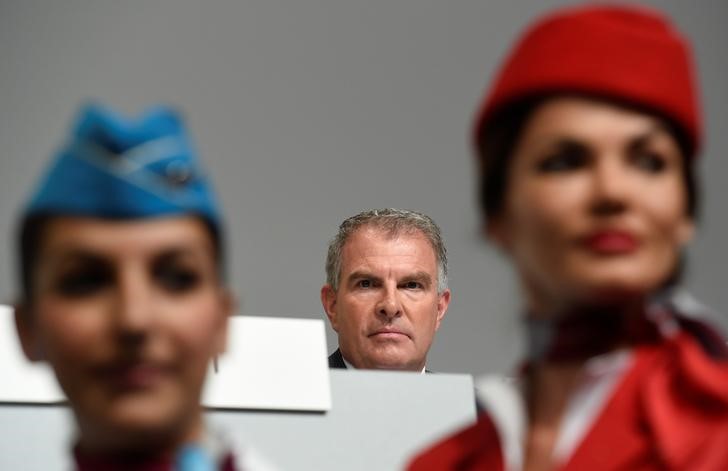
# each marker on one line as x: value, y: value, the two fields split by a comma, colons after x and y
x: 118, y: 168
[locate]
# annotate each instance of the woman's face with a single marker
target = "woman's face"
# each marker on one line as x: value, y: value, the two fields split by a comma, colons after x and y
x: 595, y: 206
x: 128, y: 314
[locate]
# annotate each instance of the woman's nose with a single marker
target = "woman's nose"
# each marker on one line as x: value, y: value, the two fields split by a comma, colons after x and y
x: 133, y: 310
x: 610, y: 187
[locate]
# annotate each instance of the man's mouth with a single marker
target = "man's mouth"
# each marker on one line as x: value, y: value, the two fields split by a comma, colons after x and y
x: 389, y: 334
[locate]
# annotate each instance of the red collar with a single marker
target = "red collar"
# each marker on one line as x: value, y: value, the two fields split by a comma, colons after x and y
x: 588, y: 332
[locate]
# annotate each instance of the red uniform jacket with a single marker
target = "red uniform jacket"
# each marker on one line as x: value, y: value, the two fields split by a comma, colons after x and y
x: 669, y: 412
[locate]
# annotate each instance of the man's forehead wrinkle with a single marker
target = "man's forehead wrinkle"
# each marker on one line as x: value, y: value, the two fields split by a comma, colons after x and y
x: 374, y: 259
x: 405, y: 232
x: 372, y: 254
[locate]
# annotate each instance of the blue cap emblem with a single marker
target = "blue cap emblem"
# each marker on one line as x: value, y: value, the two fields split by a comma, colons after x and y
x: 113, y: 167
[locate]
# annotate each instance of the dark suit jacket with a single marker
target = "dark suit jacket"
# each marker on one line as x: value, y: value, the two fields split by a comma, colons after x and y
x: 336, y: 360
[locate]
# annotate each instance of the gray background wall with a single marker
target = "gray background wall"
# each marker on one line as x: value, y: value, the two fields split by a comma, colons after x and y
x: 308, y: 111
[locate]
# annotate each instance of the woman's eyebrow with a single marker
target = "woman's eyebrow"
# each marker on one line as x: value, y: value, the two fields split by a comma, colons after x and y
x: 561, y: 141
x: 178, y: 251
x: 644, y: 137
x: 74, y: 254
x: 181, y: 254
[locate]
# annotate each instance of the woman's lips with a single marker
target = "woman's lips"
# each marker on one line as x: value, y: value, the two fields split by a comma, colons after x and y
x: 134, y: 375
x: 611, y: 242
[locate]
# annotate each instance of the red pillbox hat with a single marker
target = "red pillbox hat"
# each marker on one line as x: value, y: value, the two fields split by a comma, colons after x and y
x: 630, y: 54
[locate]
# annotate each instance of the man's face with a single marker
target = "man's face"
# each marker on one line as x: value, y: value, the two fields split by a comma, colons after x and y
x: 387, y: 308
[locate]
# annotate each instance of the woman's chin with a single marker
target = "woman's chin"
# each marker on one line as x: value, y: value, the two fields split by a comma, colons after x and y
x: 136, y: 426
x: 615, y: 289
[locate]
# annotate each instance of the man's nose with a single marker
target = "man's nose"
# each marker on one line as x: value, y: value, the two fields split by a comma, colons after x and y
x: 389, y: 305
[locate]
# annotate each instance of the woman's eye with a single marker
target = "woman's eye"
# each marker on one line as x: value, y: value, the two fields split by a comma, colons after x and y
x: 562, y: 161
x: 177, y: 279
x: 651, y: 162
x: 82, y: 283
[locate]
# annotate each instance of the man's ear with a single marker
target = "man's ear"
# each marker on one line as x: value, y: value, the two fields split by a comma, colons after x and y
x: 328, y: 300
x: 26, y: 329
x: 443, y: 302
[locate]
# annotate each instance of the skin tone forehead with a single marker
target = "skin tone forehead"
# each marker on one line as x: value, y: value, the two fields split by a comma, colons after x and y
x: 369, y: 247
x: 590, y: 120
x: 118, y: 239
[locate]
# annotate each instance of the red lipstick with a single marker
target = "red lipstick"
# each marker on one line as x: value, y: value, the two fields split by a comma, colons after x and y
x: 611, y: 242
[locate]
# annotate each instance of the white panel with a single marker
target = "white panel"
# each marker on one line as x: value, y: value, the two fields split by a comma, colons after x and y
x: 271, y: 363
x: 377, y: 422
x: 22, y: 381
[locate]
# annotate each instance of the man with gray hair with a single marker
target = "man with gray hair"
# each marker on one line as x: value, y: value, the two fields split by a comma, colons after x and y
x: 386, y: 289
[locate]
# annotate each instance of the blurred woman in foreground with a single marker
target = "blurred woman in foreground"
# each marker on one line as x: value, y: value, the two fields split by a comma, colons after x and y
x: 124, y: 294
x: 588, y: 144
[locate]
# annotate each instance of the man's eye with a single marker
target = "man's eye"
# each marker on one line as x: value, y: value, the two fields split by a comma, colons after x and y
x: 83, y: 283
x: 651, y: 162
x: 177, y: 279
x: 364, y: 283
x: 413, y: 285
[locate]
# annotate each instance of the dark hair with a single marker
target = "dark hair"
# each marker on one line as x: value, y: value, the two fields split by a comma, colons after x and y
x: 499, y: 137
x: 30, y: 240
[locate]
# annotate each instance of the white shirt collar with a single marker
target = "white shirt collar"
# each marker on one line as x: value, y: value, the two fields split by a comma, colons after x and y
x: 503, y: 399
x: 352, y: 367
